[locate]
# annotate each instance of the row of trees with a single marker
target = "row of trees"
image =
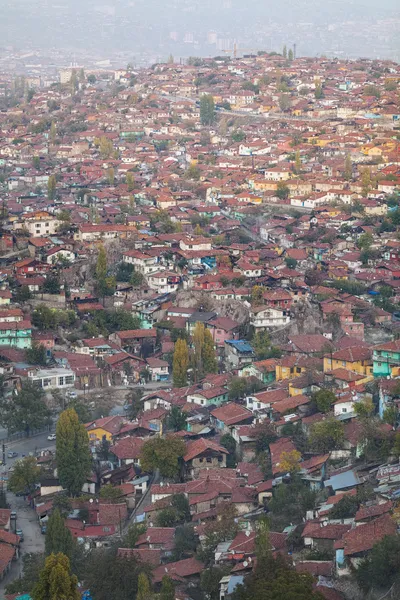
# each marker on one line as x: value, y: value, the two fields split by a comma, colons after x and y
x: 201, y: 357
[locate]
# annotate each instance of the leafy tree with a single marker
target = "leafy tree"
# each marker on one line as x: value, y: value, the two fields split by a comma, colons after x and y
x: 282, y: 190
x: 284, y: 102
x: 166, y: 517
x: 237, y: 388
x: 228, y: 442
x: 291, y: 263
x: 51, y: 187
x: 265, y: 434
x: 193, y: 172
x: 110, y: 494
x: 26, y: 410
x: 136, y: 279
x: 327, y: 435
x: 58, y: 536
x: 53, y: 131
x: 62, y: 503
x: 261, y: 343
x: 324, y: 400
x: 108, y: 575
x: 180, y: 363
x: 51, y: 285
x: 73, y: 455
x: 56, y: 581
x: 185, y: 542
x: 104, y: 449
x: 289, y: 462
x: 167, y: 591
x: 366, y: 181
x: 381, y: 567
x: 163, y: 454
x: 82, y: 410
x: 144, y: 591
x: 318, y: 92
x: 181, y: 504
x: 134, y: 532
x: 391, y: 415
x: 238, y: 136
x: 23, y: 294
x: 257, y: 295
x: 284, y: 52
x: 348, y: 168
x: 105, y: 147
x: 25, y: 475
x: 345, y: 508
x: 176, y: 420
x: 207, y: 109
x: 36, y: 162
x: 210, y: 578
x: 91, y: 79
x: 111, y: 176
x: 365, y: 241
x: 130, y: 181
x: 290, y: 55
x: 209, y: 358
x: 372, y: 90
x: 36, y: 355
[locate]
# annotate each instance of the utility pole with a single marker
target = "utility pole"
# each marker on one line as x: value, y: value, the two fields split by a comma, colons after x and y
x: 4, y: 453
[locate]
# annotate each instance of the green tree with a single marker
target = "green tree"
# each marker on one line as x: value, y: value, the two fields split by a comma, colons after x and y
x: 365, y: 241
x: 185, y: 542
x: 164, y: 454
x: 391, y: 415
x: 210, y: 364
x: 109, y: 575
x: 181, y: 505
x: 74, y: 82
x: 36, y: 162
x: 62, y: 503
x: 366, y: 183
x: 51, y: 187
x: 167, y: 591
x: 327, y: 435
x: 348, y: 168
x: 23, y: 294
x: 51, y: 284
x: 228, y: 442
x: 130, y: 181
x: 74, y: 459
x: 381, y: 568
x: 56, y: 581
x: 176, y: 420
x: 81, y: 409
x: 207, y: 109
x: 324, y: 400
x: 284, y: 52
x: 143, y: 591
x: 53, y: 132
x: 167, y: 517
x: 25, y: 410
x: 36, y: 355
x: 110, y: 494
x: 284, y: 102
x: 105, y: 147
x: 297, y: 162
x: 345, y: 508
x: 58, y: 536
x: 25, y: 475
x: 135, y: 531
x: 372, y: 90
x: 290, y: 55
x: 111, y: 176
x: 209, y: 580
x: 282, y: 190
x: 318, y: 92
x: 180, y: 363
x: 237, y: 388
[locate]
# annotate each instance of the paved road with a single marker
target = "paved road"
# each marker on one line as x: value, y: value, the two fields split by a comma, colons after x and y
x: 33, y: 539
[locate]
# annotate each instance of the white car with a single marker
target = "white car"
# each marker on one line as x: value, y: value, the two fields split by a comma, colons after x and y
x: 51, y: 437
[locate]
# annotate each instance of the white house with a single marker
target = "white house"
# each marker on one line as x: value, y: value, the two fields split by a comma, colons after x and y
x: 263, y: 317
x: 52, y: 378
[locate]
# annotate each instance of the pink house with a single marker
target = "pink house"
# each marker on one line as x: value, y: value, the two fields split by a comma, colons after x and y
x: 222, y: 329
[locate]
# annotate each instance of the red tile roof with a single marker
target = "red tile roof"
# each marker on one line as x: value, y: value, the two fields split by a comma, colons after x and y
x: 178, y: 570
x: 151, y: 556
x: 200, y: 446
x: 366, y: 512
x: 231, y: 413
x: 128, y: 448
x: 362, y: 538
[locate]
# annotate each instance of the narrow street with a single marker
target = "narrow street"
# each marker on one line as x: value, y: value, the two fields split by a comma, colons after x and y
x: 33, y: 539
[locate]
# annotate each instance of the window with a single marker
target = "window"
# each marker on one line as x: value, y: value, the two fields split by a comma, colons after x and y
x: 106, y: 529
x: 344, y: 410
x: 61, y: 381
x: 46, y: 224
x: 201, y: 460
x: 69, y: 379
x: 209, y: 459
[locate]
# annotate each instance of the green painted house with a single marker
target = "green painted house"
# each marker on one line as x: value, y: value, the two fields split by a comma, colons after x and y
x: 17, y: 334
x: 386, y: 358
x: 264, y: 370
x: 210, y: 396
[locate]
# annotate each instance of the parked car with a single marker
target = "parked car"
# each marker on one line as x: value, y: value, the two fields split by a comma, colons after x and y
x: 13, y: 515
x: 43, y: 529
x: 72, y: 395
x: 51, y: 437
x: 21, y: 534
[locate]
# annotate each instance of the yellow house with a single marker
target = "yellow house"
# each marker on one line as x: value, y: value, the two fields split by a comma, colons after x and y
x: 289, y: 367
x: 357, y: 359
x: 107, y: 427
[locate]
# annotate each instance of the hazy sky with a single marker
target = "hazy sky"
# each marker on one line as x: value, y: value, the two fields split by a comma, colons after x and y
x: 203, y: 27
